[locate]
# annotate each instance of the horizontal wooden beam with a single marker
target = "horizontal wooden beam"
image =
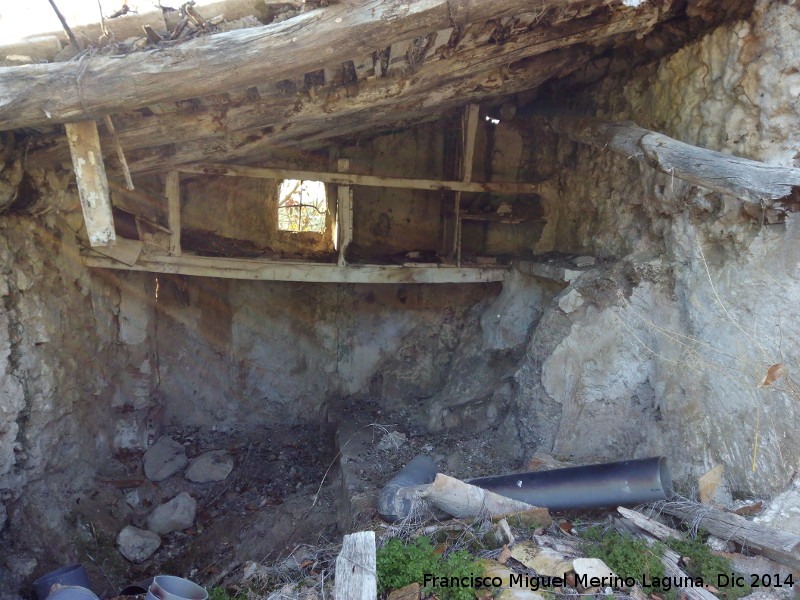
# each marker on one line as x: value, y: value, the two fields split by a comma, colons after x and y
x: 252, y: 128
x: 368, y: 180
x: 95, y: 85
x: 266, y: 270
x: 748, y: 180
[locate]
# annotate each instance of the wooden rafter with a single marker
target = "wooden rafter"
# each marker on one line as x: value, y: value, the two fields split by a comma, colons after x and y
x: 50, y: 93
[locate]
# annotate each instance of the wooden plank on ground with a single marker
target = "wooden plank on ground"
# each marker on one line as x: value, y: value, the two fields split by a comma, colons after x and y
x: 356, y: 568
x: 90, y: 173
x: 370, y: 180
x: 267, y: 270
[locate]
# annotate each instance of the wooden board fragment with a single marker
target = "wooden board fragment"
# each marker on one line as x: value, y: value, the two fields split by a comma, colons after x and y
x: 90, y: 172
x: 356, y: 568
x: 125, y: 251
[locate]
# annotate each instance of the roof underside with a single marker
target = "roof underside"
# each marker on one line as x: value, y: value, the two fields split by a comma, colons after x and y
x: 404, y: 82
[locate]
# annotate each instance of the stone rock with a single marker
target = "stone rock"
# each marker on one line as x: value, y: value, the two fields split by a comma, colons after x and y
x: 570, y: 301
x: 211, y: 466
x: 164, y: 458
x: 492, y: 568
x: 409, y: 592
x: 133, y: 499
x: 584, y: 261
x: 590, y: 568
x: 136, y: 544
x: 174, y: 515
x: 712, y: 488
x: 544, y: 561
x: 784, y: 511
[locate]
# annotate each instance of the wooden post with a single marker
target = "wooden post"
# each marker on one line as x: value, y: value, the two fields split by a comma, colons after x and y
x: 344, y: 212
x: 173, y: 193
x: 356, y: 569
x: 469, y: 129
x: 748, y: 180
x: 90, y: 173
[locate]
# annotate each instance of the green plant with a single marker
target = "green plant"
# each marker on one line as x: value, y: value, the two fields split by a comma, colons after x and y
x: 703, y: 563
x: 626, y: 556
x: 401, y: 564
x: 220, y: 593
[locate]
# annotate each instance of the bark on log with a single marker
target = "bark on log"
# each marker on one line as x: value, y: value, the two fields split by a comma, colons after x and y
x: 748, y: 180
x: 780, y: 546
x: 463, y: 500
x: 39, y: 94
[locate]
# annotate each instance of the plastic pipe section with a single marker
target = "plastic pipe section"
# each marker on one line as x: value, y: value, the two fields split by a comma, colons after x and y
x: 392, y: 505
x: 610, y: 484
x: 592, y: 486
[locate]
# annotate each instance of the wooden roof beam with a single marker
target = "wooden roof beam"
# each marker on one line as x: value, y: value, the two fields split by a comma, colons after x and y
x: 87, y: 88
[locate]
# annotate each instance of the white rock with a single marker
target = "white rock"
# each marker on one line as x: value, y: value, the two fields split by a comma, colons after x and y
x: 174, y: 515
x: 784, y: 511
x: 211, y: 466
x: 584, y: 261
x: 133, y: 499
x: 392, y: 441
x: 570, y: 301
x: 164, y: 458
x: 137, y: 544
x: 593, y: 567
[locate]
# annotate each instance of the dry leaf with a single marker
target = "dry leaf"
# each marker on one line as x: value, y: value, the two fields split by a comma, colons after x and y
x: 566, y: 527
x: 505, y: 554
x: 774, y: 373
x: 750, y: 509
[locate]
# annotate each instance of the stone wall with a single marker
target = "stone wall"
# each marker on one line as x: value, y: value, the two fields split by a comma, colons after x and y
x: 665, y: 351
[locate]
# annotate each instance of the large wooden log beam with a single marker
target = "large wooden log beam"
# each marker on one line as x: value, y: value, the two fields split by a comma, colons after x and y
x: 58, y: 92
x: 780, y: 546
x: 469, y: 74
x: 748, y: 180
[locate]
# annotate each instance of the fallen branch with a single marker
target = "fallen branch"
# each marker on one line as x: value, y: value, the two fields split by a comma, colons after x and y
x: 781, y: 546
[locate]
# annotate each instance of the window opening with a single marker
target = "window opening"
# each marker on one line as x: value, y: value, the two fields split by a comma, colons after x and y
x: 302, y: 206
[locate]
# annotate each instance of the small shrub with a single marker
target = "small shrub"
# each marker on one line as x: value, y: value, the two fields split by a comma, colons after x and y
x: 703, y: 563
x: 401, y: 564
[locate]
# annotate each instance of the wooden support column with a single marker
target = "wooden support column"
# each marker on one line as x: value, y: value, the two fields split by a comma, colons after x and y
x: 344, y: 213
x: 469, y: 129
x: 748, y: 180
x: 90, y: 173
x: 173, y: 193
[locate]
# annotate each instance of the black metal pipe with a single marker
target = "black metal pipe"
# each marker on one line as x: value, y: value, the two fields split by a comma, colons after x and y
x: 392, y: 504
x: 593, y: 486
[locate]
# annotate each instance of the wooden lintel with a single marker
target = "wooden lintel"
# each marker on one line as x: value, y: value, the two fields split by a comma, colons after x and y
x: 173, y: 193
x: 370, y: 180
x: 265, y: 270
x: 90, y: 173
